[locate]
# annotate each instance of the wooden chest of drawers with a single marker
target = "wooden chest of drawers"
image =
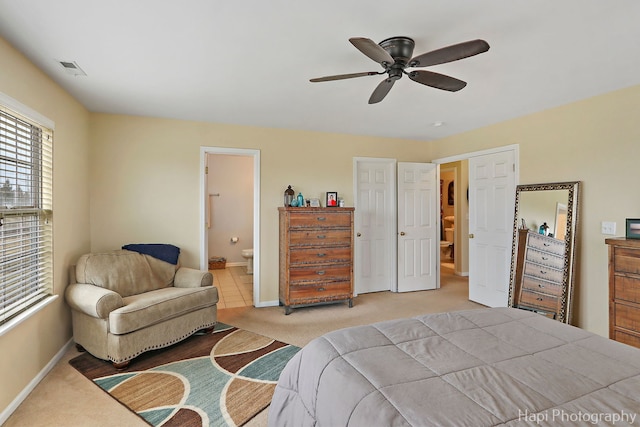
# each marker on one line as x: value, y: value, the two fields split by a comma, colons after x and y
x: 316, y: 256
x: 539, y: 275
x: 624, y: 290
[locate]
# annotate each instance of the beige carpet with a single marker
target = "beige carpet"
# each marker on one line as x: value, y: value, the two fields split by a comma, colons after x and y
x: 65, y: 398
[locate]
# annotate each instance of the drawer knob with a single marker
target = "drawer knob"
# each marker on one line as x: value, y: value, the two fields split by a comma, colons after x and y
x: 321, y: 289
x: 539, y: 299
x: 540, y: 286
x: 322, y: 218
x: 321, y: 273
x: 321, y: 254
x: 543, y: 272
x: 544, y: 258
x: 545, y: 244
x: 321, y: 236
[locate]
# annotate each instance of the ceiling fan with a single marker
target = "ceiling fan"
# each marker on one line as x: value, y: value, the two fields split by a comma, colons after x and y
x: 395, y: 56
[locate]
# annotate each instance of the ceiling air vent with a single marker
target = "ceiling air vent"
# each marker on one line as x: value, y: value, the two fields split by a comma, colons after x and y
x: 71, y: 67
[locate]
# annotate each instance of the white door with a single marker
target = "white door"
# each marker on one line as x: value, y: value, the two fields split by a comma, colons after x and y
x: 418, y: 216
x: 375, y: 225
x: 492, y: 189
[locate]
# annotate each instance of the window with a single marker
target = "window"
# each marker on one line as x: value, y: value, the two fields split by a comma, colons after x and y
x: 25, y: 213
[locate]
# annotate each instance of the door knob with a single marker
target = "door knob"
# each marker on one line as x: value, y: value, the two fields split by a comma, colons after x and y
x: 402, y: 233
x: 471, y: 236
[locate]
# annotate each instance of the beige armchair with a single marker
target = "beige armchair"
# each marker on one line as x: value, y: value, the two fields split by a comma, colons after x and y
x: 124, y: 303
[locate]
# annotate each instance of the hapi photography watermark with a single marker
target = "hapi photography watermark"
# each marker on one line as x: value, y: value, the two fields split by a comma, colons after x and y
x: 561, y: 416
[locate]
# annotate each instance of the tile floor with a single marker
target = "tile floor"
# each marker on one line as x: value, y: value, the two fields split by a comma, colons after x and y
x: 235, y: 287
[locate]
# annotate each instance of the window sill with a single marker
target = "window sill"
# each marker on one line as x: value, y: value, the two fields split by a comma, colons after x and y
x: 26, y: 315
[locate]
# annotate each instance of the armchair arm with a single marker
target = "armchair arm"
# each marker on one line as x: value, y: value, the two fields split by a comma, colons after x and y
x: 192, y: 278
x: 92, y: 300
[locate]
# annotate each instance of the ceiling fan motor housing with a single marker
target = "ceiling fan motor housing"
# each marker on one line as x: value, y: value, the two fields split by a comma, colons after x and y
x: 400, y: 48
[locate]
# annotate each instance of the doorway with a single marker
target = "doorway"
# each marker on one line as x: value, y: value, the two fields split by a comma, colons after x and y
x: 492, y: 176
x: 218, y: 196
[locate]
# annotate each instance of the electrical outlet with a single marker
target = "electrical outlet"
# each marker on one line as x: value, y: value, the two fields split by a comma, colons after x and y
x: 608, y: 228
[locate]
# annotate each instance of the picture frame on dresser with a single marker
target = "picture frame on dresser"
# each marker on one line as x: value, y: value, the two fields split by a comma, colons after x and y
x: 633, y: 228
x: 332, y: 199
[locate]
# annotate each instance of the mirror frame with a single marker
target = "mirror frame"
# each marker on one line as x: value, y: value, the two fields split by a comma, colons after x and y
x: 570, y: 243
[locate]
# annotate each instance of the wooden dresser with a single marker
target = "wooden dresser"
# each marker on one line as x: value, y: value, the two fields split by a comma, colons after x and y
x: 316, y: 256
x: 624, y: 290
x: 539, y: 273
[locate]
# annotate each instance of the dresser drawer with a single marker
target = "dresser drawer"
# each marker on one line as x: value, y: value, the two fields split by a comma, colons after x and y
x: 320, y: 237
x: 535, y: 285
x: 546, y: 244
x: 627, y: 317
x: 542, y: 272
x: 627, y: 338
x: 627, y: 288
x: 538, y: 300
x: 320, y: 292
x: 545, y: 258
x: 302, y: 256
x: 299, y: 275
x: 627, y: 261
x: 320, y: 219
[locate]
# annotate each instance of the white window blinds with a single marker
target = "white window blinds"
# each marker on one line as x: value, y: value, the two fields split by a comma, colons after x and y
x: 25, y: 213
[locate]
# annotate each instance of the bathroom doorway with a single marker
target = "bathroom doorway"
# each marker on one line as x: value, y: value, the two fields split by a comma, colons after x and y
x: 454, y: 214
x: 230, y: 181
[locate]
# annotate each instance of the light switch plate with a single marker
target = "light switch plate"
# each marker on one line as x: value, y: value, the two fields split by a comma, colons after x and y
x: 608, y: 228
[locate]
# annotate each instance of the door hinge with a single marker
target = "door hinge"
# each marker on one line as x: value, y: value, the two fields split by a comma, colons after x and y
x: 206, y: 170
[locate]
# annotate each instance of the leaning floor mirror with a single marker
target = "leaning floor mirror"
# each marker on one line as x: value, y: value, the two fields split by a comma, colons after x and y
x: 544, y: 239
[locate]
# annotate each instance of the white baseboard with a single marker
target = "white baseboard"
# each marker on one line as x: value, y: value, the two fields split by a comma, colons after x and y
x: 4, y: 416
x: 267, y: 304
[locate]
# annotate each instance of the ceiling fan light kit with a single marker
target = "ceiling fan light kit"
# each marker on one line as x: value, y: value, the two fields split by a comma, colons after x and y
x: 395, y: 55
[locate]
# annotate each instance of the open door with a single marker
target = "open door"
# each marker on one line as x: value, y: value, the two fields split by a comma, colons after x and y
x: 418, y: 222
x: 492, y: 189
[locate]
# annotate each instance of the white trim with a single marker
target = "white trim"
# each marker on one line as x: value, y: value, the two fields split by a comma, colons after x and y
x: 267, y: 304
x: 25, y: 111
x: 10, y: 409
x: 465, y: 156
x: 26, y: 314
x: 204, y: 248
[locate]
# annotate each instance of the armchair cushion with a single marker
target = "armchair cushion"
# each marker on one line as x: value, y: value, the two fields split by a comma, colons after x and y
x: 153, y: 307
x: 125, y: 272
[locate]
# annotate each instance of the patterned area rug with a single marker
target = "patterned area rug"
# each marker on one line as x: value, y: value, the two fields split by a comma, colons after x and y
x: 220, y: 379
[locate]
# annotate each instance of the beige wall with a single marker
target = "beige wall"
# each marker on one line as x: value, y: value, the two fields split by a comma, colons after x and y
x: 145, y: 178
x: 26, y: 349
x: 596, y: 141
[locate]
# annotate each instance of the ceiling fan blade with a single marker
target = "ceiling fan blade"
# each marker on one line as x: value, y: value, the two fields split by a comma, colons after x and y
x: 450, y: 53
x: 439, y: 81
x: 381, y: 91
x: 344, y: 76
x: 372, y: 50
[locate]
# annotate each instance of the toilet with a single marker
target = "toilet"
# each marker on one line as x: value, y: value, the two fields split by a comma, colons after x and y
x: 248, y: 255
x: 449, y: 238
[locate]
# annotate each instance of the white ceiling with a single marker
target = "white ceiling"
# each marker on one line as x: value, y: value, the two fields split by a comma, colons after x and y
x: 249, y: 62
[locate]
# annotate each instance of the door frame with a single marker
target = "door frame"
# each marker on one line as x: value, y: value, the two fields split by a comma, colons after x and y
x: 466, y: 156
x: 204, y: 199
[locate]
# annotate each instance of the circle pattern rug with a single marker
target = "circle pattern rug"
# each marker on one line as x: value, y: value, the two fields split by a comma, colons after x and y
x: 219, y: 379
